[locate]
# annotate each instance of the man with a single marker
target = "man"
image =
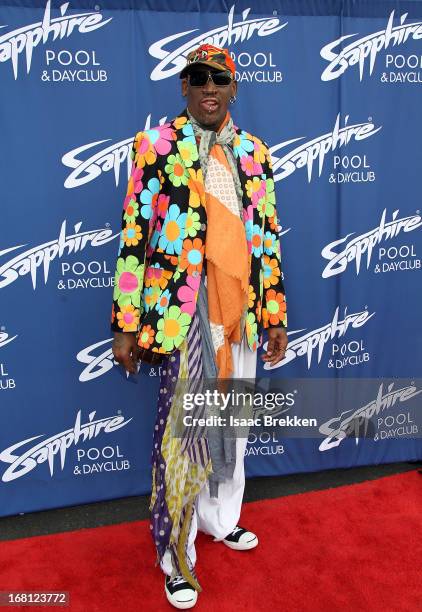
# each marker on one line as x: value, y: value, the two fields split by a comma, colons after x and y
x: 198, y: 276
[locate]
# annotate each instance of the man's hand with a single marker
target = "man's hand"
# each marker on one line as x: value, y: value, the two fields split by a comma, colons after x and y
x: 125, y: 350
x: 277, y: 344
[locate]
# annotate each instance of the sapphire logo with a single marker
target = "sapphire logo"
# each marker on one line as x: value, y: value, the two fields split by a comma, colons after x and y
x: 28, y: 262
x: 22, y: 461
x: 351, y: 422
x: 106, y: 159
x: 228, y: 35
x: 27, y: 38
x: 100, y: 360
x: 342, y: 57
x: 340, y: 253
x: 305, y: 345
x: 98, y: 364
x: 307, y: 153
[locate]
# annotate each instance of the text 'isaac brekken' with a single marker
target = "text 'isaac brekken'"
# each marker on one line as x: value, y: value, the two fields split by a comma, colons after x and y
x: 267, y: 420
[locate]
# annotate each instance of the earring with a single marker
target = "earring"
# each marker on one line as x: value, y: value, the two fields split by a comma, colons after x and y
x: 232, y: 99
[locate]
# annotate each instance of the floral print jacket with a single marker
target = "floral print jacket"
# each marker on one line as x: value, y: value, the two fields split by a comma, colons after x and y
x: 164, y: 225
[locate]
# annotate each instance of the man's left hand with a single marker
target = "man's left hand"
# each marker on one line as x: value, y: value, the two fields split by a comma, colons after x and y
x: 277, y: 344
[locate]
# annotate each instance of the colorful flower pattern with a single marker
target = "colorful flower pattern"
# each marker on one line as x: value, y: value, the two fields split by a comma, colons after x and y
x: 173, y: 232
x: 131, y: 211
x: 192, y: 255
x: 177, y: 170
x: 146, y: 336
x: 271, y: 271
x: 164, y: 221
x: 188, y: 294
x: 128, y: 318
x: 149, y: 197
x: 274, y: 312
x: 193, y: 222
x: 172, y: 328
x: 132, y: 234
x: 163, y: 301
x: 196, y: 187
x: 155, y: 275
x: 128, y: 280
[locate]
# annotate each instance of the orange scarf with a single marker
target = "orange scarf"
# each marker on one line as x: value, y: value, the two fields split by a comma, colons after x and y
x: 226, y: 252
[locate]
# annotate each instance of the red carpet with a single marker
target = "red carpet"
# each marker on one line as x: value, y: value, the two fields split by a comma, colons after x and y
x: 353, y: 548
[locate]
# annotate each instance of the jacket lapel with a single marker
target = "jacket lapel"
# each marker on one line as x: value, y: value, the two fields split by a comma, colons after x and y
x: 184, y: 132
x: 243, y: 177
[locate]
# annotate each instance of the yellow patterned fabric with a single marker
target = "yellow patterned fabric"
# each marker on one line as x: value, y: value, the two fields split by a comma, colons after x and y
x: 184, y: 478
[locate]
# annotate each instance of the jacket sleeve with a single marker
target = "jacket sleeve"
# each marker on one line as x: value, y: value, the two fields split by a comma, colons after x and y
x: 136, y: 224
x: 274, y: 313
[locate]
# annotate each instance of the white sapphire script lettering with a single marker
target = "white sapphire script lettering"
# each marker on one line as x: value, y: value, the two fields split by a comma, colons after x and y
x: 105, y: 160
x: 97, y: 364
x: 25, y: 39
x: 29, y: 261
x: 317, y: 339
x: 21, y: 464
x: 227, y: 35
x: 359, y: 50
x: 340, y: 255
x: 307, y: 153
x: 338, y: 428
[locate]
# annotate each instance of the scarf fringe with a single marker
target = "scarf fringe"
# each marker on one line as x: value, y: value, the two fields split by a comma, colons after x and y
x: 244, y: 285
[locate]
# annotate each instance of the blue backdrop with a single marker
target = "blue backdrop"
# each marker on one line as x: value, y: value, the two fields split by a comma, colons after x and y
x: 334, y: 88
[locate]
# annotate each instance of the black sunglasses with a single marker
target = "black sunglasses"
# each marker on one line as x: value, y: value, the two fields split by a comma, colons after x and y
x: 199, y: 78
